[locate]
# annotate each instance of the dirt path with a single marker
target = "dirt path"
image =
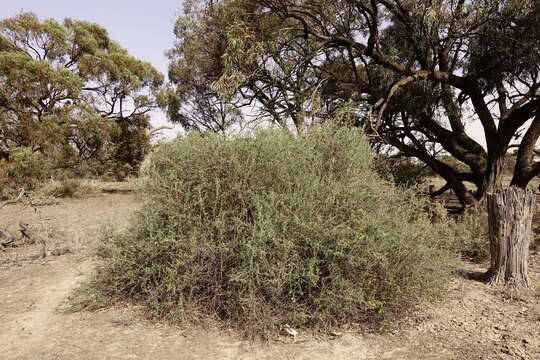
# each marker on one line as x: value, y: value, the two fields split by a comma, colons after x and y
x: 473, y: 322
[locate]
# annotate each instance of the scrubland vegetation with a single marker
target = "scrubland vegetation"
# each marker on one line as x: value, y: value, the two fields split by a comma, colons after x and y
x: 275, y: 229
x: 298, y: 193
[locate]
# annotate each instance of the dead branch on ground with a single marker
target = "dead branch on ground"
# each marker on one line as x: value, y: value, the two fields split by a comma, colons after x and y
x: 13, y: 201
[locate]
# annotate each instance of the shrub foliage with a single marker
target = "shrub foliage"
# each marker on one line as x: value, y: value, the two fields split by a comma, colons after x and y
x: 471, y: 236
x: 26, y: 169
x: 272, y: 229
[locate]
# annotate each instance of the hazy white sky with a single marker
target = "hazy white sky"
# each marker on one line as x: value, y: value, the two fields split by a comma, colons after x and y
x: 144, y: 28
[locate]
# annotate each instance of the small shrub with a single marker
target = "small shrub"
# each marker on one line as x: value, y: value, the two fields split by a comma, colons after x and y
x: 122, y: 171
x: 466, y: 234
x: 272, y: 229
x: 471, y: 236
x: 25, y: 169
x: 68, y: 187
x: 65, y: 188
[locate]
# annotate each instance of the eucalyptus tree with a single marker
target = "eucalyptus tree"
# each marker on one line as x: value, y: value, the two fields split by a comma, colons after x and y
x: 415, y: 74
x: 70, y: 92
x: 195, y: 64
x: 231, y: 62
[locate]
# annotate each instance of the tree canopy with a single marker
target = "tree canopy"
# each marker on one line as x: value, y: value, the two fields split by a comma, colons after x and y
x: 414, y: 74
x: 71, y: 93
x: 195, y: 65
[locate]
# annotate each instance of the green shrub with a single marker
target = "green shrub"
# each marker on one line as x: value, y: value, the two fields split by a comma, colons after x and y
x: 471, y: 236
x: 466, y: 235
x: 272, y: 229
x: 25, y: 168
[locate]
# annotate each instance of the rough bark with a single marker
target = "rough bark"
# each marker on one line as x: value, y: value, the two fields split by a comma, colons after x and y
x: 526, y: 168
x: 494, y: 175
x: 510, y: 218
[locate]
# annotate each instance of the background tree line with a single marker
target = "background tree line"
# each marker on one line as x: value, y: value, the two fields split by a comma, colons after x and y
x: 413, y: 74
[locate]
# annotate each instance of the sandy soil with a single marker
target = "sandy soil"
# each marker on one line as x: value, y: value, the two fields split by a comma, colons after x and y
x: 474, y: 321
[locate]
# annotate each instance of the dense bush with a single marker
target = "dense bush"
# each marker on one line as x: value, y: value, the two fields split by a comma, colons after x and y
x: 272, y: 229
x: 25, y: 168
x: 465, y: 234
x: 52, y: 175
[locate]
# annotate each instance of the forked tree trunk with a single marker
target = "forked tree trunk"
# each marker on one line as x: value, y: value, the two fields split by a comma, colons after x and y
x: 510, y: 218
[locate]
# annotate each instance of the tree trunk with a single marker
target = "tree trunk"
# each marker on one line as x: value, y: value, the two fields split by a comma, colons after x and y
x: 510, y: 219
x: 493, y: 177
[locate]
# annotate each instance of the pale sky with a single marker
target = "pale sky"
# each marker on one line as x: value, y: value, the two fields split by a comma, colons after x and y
x: 144, y: 28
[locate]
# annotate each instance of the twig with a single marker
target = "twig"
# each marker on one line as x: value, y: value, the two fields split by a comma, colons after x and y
x: 154, y: 132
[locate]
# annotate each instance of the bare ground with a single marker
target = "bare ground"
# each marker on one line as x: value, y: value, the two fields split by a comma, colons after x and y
x: 474, y: 321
